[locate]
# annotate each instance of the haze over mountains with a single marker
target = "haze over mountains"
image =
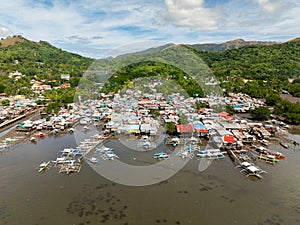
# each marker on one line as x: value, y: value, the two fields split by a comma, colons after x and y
x: 234, y: 44
x: 215, y: 47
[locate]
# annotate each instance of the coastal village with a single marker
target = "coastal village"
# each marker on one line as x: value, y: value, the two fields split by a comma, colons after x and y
x: 196, y: 133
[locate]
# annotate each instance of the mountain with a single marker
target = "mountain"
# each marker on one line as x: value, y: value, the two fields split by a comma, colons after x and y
x: 238, y: 43
x: 12, y: 41
x: 36, y: 60
x: 229, y: 45
x: 258, y: 69
x: 39, y: 58
x: 294, y: 40
x: 146, y: 51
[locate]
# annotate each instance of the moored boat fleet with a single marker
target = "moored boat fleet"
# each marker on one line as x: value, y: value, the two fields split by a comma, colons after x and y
x: 70, y: 159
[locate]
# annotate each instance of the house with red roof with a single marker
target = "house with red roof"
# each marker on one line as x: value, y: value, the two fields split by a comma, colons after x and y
x: 185, y: 128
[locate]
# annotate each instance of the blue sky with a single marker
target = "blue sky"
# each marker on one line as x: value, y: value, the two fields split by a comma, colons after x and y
x: 97, y: 27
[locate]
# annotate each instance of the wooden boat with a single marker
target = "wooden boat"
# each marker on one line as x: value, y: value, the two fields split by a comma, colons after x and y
x: 93, y: 160
x: 262, y: 150
x: 33, y: 139
x: 4, y: 146
x: 278, y: 155
x: 161, y: 155
x: 264, y: 142
x: 63, y: 160
x: 9, y: 140
x: 268, y: 158
x: 43, y: 166
x: 185, y: 153
x: 40, y: 134
x: 107, y: 153
x: 71, y: 152
x: 283, y: 145
x: 211, y: 154
x: 111, y: 155
x: 251, y: 170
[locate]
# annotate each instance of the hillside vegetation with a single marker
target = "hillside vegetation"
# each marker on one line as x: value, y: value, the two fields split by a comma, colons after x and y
x: 238, y: 43
x: 260, y: 70
x: 37, y: 60
x: 257, y: 70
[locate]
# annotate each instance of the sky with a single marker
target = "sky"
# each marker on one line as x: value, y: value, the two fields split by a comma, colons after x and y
x: 99, y: 28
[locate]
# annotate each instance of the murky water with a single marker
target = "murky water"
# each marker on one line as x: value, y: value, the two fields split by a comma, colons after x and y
x: 219, y: 195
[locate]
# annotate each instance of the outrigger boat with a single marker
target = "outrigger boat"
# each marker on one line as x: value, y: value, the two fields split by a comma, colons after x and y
x: 278, y: 155
x: 268, y: 158
x: 211, y: 154
x: 184, y: 154
x: 92, y: 160
x: 5, y: 146
x: 161, y: 155
x: 251, y: 170
x: 111, y: 155
x: 71, y: 152
x: 107, y: 153
x: 9, y: 140
x: 262, y: 150
x: 43, y: 166
x: 63, y: 160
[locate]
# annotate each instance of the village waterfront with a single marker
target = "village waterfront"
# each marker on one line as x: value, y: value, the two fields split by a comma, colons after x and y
x: 220, y: 194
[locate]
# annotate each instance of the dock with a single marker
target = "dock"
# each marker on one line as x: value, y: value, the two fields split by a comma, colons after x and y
x: 9, y: 123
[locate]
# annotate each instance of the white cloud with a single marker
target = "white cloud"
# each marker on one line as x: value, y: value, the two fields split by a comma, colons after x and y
x: 270, y: 6
x: 107, y: 24
x: 191, y: 13
x: 5, y: 32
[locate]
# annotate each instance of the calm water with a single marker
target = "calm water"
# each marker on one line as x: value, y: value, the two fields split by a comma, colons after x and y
x: 219, y: 195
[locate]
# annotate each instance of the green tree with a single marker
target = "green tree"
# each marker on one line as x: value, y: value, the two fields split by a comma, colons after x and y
x: 5, y: 102
x: 155, y: 113
x: 170, y: 127
x: 230, y: 110
x: 2, y: 88
x: 272, y: 99
x: 261, y: 113
x: 183, y: 119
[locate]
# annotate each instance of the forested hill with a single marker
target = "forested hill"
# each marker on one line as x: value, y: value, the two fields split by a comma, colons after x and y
x: 265, y: 67
x: 39, y: 58
x: 269, y: 67
x: 238, y: 43
x: 262, y: 71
